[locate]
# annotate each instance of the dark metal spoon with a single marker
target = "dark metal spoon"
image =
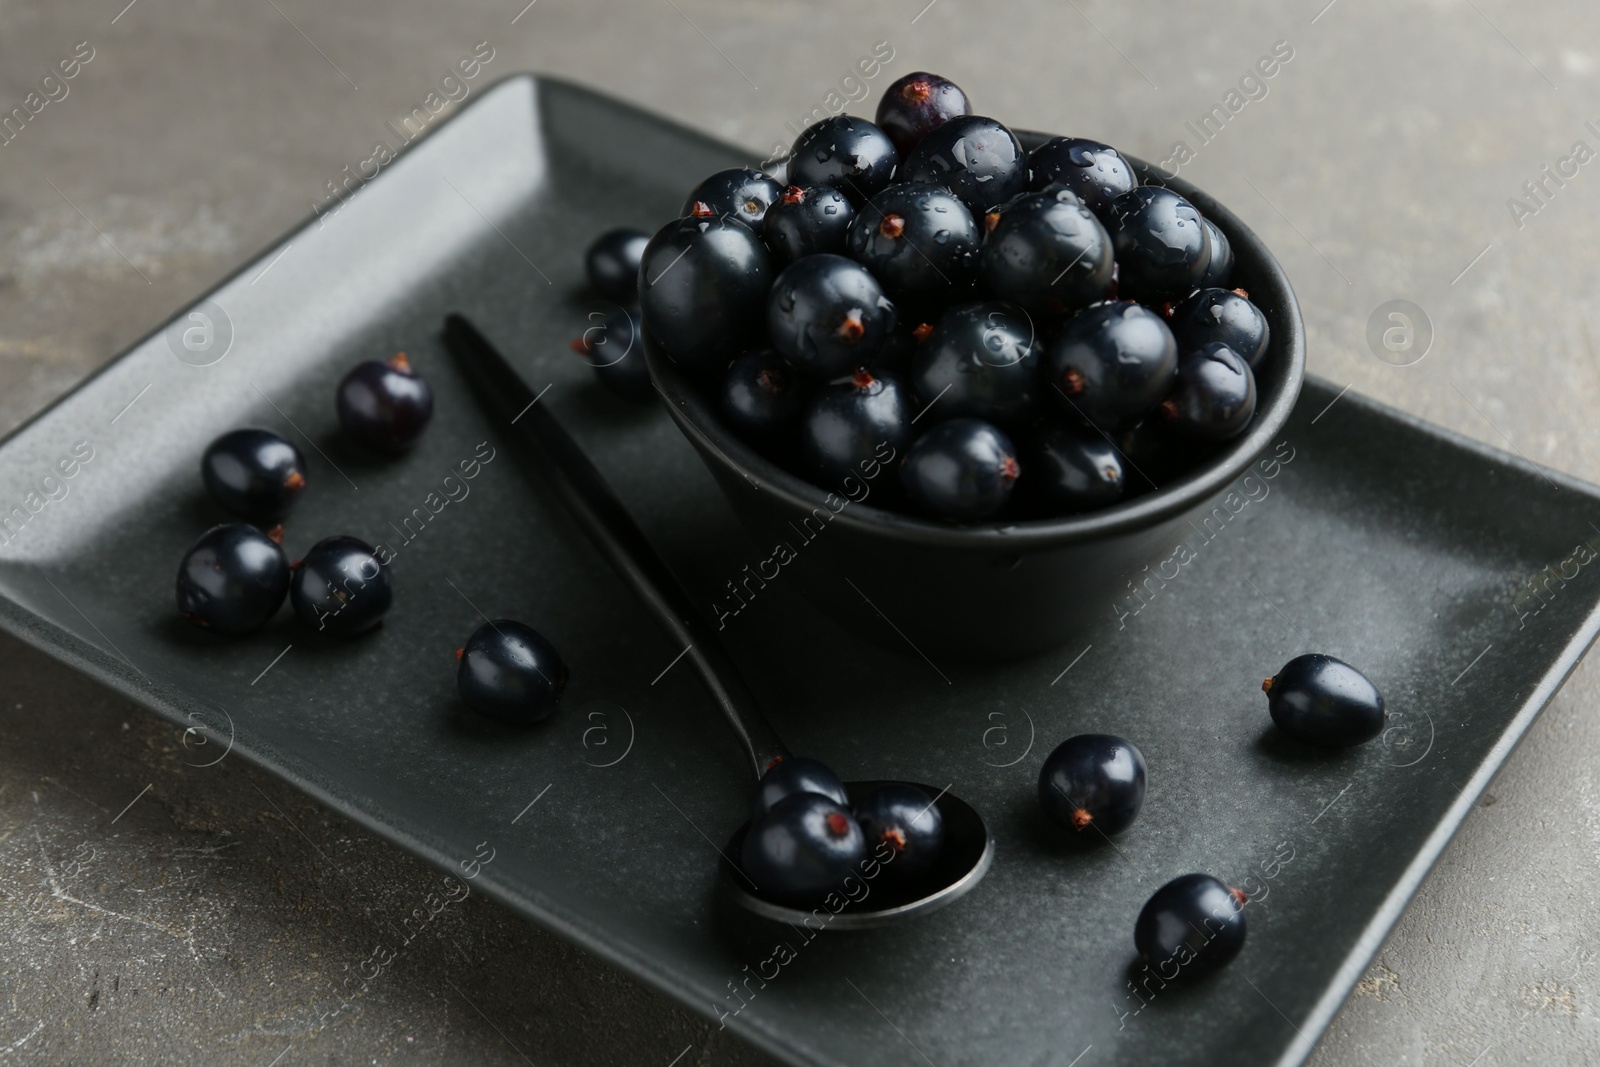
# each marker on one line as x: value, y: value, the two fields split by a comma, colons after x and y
x: 968, y: 849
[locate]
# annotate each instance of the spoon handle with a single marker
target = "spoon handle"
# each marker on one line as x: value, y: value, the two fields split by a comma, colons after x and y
x: 591, y: 502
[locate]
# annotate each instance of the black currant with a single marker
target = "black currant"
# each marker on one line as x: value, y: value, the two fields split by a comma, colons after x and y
x: 1093, y: 782
x: 340, y: 587
x: 907, y: 820
x: 741, y: 193
x: 612, y: 264
x: 1073, y: 469
x: 962, y: 470
x: 1096, y: 172
x: 385, y: 405
x: 851, y: 427
x: 797, y: 774
x: 1112, y: 363
x: 805, y: 222
x: 916, y: 104
x: 1220, y: 269
x: 509, y: 671
x: 919, y: 240
x: 1224, y: 315
x: 802, y: 850
x: 1213, y: 395
x: 980, y: 360
x: 702, y: 290
x: 828, y: 315
x: 1047, y: 252
x: 1163, y: 247
x: 1325, y: 701
x: 254, y: 473
x: 762, y: 397
x: 848, y: 153
x: 977, y: 158
x: 614, y: 349
x: 233, y: 579
x: 1190, y: 926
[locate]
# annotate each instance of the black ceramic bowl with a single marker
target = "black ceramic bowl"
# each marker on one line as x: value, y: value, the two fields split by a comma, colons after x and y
x: 1003, y: 590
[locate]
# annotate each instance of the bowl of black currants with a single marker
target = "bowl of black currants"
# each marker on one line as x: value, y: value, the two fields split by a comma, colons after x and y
x: 969, y: 380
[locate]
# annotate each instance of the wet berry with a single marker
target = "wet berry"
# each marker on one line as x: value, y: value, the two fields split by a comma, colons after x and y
x: 1096, y: 172
x: 702, y: 290
x: 385, y: 405
x: 980, y: 360
x: 1224, y: 315
x: 1073, y: 469
x: 920, y: 241
x: 741, y: 193
x: 762, y: 398
x: 851, y: 428
x: 255, y: 474
x: 612, y: 264
x: 1112, y: 363
x: 802, y: 850
x: 797, y: 774
x: 1220, y: 269
x: 1190, y: 926
x: 613, y: 347
x: 1213, y: 395
x: 848, y: 153
x: 232, y: 580
x: 828, y: 315
x: 1047, y: 252
x: 1093, y: 784
x: 962, y: 470
x: 1325, y: 701
x: 509, y: 671
x: 340, y: 587
x: 905, y: 819
x: 977, y: 158
x: 1163, y: 247
x: 805, y: 222
x: 913, y: 106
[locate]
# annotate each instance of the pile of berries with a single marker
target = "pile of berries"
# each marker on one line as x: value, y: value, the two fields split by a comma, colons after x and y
x: 1029, y: 333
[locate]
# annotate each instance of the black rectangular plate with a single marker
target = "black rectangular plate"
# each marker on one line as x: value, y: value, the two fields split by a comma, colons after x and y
x: 1377, y: 538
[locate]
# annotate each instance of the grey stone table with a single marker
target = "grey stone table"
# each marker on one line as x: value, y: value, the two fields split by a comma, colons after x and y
x: 157, y: 912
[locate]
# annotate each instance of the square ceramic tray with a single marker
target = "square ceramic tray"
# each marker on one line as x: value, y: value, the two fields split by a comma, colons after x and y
x: 1452, y: 574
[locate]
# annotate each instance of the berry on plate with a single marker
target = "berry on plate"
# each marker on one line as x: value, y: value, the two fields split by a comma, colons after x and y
x: 255, y: 474
x: 385, y: 405
x: 232, y: 580
x: 614, y: 349
x: 509, y: 671
x: 340, y: 587
x: 1325, y: 701
x: 1191, y: 925
x: 1093, y: 782
x: 612, y: 264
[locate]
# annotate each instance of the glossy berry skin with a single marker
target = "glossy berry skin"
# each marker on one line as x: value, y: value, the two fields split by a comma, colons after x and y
x: 1220, y: 269
x: 909, y: 822
x: 762, y: 398
x: 828, y: 315
x: 851, y: 426
x: 917, y: 104
x: 962, y: 470
x: 802, y: 850
x: 741, y: 193
x: 1190, y: 926
x: 805, y: 222
x: 612, y: 264
x: 509, y: 671
x: 703, y: 287
x: 615, y: 350
x: 1112, y: 363
x: 1325, y: 701
x: 846, y: 152
x: 1093, y: 782
x: 1073, y: 470
x: 1096, y: 172
x: 1224, y: 315
x: 385, y: 405
x: 1213, y: 395
x: 1163, y: 247
x: 255, y: 474
x: 920, y: 241
x: 340, y: 587
x: 982, y: 361
x: 232, y: 580
x: 976, y: 158
x: 1047, y: 252
x: 797, y: 774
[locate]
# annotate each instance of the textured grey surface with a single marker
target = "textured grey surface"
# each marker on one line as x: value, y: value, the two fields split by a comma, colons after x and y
x: 199, y: 132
